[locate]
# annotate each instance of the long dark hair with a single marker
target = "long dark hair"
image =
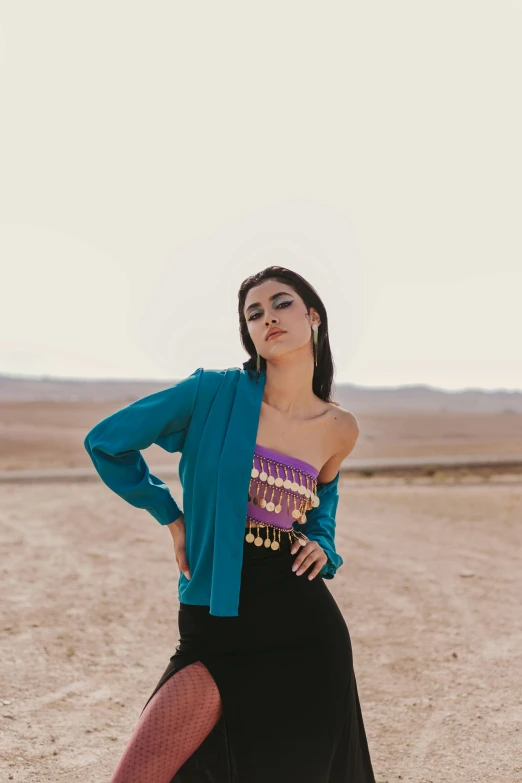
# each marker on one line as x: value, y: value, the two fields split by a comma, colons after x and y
x: 324, y: 371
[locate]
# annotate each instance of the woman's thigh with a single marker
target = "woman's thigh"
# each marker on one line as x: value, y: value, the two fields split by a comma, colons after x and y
x: 173, y: 724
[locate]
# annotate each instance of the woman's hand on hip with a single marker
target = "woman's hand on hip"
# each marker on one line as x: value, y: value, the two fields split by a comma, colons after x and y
x: 310, y: 552
x: 177, y: 529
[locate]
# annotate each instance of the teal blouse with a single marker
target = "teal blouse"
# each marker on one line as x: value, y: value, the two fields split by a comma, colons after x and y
x: 211, y: 417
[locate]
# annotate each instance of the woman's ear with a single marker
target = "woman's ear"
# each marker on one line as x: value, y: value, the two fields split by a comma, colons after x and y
x: 314, y: 317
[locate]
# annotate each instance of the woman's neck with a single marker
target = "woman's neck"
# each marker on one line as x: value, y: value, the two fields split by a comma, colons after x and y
x: 288, y: 387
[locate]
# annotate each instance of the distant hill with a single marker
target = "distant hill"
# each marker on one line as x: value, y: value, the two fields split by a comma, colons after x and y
x: 422, y: 399
x: 405, y: 399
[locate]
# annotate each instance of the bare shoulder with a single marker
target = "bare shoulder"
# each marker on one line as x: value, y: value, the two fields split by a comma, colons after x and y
x: 347, y: 421
x: 345, y: 429
x: 344, y: 432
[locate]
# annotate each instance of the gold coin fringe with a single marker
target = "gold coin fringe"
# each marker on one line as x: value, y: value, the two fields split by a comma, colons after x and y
x: 275, y: 543
x: 264, y: 481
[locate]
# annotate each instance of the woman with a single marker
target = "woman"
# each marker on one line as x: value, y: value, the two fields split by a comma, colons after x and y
x: 261, y: 686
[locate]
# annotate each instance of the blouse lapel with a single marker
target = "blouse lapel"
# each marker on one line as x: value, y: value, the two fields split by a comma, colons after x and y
x: 233, y: 480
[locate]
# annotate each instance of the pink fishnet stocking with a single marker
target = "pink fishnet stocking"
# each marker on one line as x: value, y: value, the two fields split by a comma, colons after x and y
x: 174, y: 723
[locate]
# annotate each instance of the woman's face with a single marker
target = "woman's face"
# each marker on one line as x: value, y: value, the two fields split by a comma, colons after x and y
x: 273, y: 304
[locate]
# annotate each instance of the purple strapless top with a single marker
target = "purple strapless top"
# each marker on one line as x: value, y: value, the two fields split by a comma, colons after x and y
x: 287, y: 485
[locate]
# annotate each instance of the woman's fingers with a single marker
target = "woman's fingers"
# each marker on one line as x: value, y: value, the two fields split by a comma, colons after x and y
x: 182, y: 561
x: 177, y: 530
x: 317, y: 567
x: 296, y: 545
x: 309, y: 554
x: 300, y: 567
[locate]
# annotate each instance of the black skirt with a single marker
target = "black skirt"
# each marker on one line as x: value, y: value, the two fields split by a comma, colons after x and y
x: 284, y: 671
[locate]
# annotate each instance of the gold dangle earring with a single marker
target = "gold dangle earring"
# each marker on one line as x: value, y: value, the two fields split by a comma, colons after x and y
x: 315, y: 329
x: 258, y: 364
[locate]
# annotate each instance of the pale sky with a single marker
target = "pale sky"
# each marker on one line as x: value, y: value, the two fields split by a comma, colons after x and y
x: 154, y: 154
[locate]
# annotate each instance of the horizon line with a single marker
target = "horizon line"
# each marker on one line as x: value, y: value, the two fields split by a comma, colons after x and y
x: 81, y: 379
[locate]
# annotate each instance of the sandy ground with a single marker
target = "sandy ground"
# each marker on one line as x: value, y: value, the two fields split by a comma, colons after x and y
x: 430, y: 590
x: 50, y: 434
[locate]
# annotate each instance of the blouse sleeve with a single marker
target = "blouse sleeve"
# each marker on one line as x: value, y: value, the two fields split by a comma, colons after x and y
x: 320, y: 525
x: 114, y: 446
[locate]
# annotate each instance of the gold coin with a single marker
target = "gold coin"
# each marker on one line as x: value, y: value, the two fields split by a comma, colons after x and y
x: 270, y: 506
x: 287, y: 483
x: 254, y: 473
x: 267, y: 542
x: 295, y: 486
x: 249, y: 537
x: 275, y: 545
x: 296, y: 513
x: 262, y: 502
x: 279, y: 481
x: 277, y: 509
x: 271, y: 480
x: 263, y: 476
x: 258, y: 541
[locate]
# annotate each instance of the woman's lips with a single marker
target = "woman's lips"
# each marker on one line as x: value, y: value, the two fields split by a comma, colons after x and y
x: 276, y: 334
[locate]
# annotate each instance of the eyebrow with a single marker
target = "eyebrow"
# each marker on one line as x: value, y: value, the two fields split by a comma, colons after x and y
x: 270, y: 299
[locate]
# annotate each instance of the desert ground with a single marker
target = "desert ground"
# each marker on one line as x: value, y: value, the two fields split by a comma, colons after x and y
x: 430, y: 590
x: 49, y: 434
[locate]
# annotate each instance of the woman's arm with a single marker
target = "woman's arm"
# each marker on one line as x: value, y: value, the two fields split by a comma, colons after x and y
x: 114, y: 446
x: 320, y: 521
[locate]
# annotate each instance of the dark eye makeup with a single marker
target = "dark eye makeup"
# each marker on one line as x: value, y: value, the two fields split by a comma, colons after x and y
x: 281, y: 304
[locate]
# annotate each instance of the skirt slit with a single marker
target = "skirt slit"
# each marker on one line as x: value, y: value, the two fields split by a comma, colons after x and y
x: 284, y: 671
x: 211, y: 762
